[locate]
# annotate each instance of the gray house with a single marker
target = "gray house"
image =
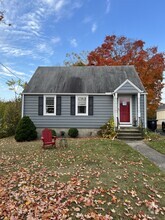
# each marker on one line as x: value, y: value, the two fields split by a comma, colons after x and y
x: 85, y: 98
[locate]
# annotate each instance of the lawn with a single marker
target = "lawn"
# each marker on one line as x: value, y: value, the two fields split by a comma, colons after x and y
x: 156, y: 141
x: 91, y: 179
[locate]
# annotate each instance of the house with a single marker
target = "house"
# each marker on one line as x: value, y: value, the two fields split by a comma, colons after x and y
x: 85, y: 97
x: 160, y: 115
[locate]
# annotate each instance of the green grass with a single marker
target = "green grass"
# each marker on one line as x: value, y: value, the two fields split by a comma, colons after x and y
x: 156, y: 141
x: 91, y: 179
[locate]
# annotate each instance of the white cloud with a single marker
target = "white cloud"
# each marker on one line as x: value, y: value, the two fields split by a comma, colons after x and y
x: 44, y: 48
x: 61, y: 8
x: 60, y: 5
x: 9, y: 72
x: 73, y: 42
x: 94, y: 27
x: 108, y: 6
x: 49, y: 2
x: 14, y: 51
x: 31, y: 22
x: 56, y: 40
x: 28, y: 34
x: 41, y: 47
x: 87, y: 20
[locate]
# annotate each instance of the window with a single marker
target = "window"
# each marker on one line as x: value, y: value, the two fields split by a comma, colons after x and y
x: 81, y: 105
x: 49, y: 105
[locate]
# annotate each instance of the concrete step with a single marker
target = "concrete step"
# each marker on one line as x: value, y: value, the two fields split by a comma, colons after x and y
x: 132, y: 133
x: 129, y: 134
x: 131, y: 138
x: 129, y: 129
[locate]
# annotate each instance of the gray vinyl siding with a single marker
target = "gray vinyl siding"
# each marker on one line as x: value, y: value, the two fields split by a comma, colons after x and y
x: 134, y: 108
x: 102, y: 111
x: 142, y: 108
x: 127, y: 88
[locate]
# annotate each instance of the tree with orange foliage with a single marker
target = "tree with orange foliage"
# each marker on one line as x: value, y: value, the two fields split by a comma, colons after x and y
x: 150, y: 64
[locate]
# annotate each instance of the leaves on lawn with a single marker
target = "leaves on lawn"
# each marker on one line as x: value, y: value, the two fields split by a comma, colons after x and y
x: 76, y: 183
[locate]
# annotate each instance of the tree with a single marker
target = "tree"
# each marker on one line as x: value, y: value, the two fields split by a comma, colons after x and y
x: 16, y: 86
x: 10, y: 114
x: 11, y: 117
x: 76, y: 59
x: 147, y: 61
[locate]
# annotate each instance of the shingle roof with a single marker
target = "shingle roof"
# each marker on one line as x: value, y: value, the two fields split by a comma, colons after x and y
x: 84, y: 79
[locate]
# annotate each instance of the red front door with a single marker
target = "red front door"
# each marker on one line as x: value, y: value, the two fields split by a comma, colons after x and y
x: 124, y: 109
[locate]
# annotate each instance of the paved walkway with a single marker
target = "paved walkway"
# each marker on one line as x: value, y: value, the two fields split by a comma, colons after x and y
x: 151, y: 154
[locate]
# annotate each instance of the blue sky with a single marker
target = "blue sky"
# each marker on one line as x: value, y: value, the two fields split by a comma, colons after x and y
x: 43, y: 31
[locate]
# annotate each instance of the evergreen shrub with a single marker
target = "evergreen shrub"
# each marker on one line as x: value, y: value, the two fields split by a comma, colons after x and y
x: 73, y: 132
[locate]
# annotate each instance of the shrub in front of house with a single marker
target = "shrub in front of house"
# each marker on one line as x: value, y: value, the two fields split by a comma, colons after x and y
x: 26, y: 130
x: 73, y: 132
x: 53, y: 132
x: 108, y: 130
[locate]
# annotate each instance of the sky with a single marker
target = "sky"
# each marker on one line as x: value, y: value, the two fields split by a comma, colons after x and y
x: 44, y: 31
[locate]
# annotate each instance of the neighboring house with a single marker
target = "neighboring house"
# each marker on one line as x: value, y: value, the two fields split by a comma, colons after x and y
x: 160, y: 115
x: 85, y: 97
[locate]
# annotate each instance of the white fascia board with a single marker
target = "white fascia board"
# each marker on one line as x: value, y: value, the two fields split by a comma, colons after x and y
x: 127, y: 80
x: 109, y: 93
x: 64, y: 94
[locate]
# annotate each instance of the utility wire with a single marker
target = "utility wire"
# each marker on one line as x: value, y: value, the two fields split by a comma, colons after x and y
x: 3, y: 77
x: 10, y: 71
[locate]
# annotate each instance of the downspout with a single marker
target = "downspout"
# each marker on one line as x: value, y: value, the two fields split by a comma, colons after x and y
x: 22, y: 110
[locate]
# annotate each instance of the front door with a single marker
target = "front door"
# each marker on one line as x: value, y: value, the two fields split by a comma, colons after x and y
x: 125, y: 110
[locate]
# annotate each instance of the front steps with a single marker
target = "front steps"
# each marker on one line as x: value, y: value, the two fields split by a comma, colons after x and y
x: 129, y: 133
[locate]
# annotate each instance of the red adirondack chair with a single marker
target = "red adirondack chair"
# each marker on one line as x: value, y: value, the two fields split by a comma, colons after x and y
x: 47, y: 138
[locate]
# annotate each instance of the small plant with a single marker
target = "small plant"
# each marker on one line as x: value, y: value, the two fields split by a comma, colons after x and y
x: 53, y: 132
x: 151, y: 136
x: 26, y: 130
x: 73, y: 132
x: 62, y: 133
x: 108, y: 130
x: 134, y: 122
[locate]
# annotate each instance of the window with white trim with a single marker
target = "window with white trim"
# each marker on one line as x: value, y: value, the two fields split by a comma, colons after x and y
x: 49, y: 105
x: 81, y: 105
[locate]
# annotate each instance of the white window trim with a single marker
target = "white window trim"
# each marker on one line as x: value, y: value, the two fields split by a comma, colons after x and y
x: 81, y: 114
x: 49, y: 114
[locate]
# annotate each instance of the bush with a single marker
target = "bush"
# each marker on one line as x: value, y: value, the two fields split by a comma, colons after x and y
x: 3, y: 133
x: 108, y: 130
x: 73, y: 132
x: 53, y: 132
x: 150, y: 135
x: 10, y: 114
x: 26, y: 130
